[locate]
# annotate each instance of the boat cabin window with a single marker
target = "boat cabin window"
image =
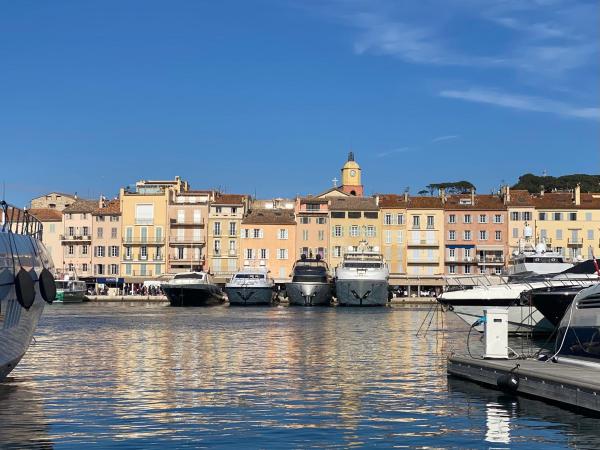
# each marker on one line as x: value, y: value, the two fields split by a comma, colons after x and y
x: 362, y: 265
x: 535, y: 259
x: 253, y: 276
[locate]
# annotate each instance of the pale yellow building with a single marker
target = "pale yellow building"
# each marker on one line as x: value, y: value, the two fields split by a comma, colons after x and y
x: 53, y: 200
x: 393, y: 229
x: 51, y: 220
x: 352, y: 220
x: 145, y: 227
x: 225, y: 216
x: 425, y: 237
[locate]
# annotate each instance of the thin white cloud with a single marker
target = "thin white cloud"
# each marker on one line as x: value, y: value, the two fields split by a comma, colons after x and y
x: 522, y: 102
x: 445, y: 138
x: 392, y: 152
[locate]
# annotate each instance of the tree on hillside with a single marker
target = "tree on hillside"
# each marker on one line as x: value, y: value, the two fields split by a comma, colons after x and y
x: 451, y: 187
x: 534, y: 183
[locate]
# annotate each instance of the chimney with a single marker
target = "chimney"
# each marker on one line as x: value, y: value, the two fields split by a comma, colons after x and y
x: 377, y: 200
x: 542, y: 190
x: 506, y: 194
x: 406, y: 197
x: 443, y: 195
x: 472, y: 196
x: 578, y: 194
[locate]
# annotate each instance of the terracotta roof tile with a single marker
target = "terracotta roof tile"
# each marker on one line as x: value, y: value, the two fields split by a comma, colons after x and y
x: 46, y: 214
x: 111, y: 208
x: 353, y: 204
x: 82, y: 206
x: 482, y: 202
x: 229, y: 199
x: 425, y: 203
x: 391, y: 201
x: 270, y: 217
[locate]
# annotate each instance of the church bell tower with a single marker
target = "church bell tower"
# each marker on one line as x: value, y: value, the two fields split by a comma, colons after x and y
x: 351, y: 183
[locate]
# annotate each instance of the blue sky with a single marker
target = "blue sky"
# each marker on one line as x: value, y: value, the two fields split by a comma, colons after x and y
x: 268, y: 96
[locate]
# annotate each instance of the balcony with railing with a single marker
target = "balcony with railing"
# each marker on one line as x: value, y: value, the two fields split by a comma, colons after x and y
x: 423, y: 243
x: 577, y: 242
x: 76, y: 237
x: 154, y: 240
x: 189, y: 240
x: 461, y: 259
x: 423, y: 259
x: 187, y: 222
x: 490, y: 260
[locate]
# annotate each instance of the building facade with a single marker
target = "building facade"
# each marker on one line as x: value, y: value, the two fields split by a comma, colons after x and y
x: 51, y: 220
x: 106, y: 239
x: 53, y: 200
x: 76, y: 239
x: 268, y: 239
x: 393, y: 226
x: 312, y: 227
x: 425, y: 237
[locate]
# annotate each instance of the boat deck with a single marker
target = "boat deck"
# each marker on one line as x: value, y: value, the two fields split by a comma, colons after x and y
x: 567, y: 385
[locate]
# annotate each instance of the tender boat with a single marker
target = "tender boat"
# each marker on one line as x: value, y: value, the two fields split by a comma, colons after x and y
x: 26, y: 283
x: 578, y: 338
x: 192, y: 289
x: 70, y: 290
x: 362, y: 278
x: 251, y: 286
x: 523, y: 317
x: 311, y: 284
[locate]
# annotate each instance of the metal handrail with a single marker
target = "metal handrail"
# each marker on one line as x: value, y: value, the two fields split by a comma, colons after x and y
x: 19, y: 221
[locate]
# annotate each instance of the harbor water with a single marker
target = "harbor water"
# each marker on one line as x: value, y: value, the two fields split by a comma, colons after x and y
x: 143, y: 375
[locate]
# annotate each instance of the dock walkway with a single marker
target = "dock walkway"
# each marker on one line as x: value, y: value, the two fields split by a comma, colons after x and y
x: 568, y: 385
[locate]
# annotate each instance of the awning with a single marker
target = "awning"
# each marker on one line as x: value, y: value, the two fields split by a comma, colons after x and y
x: 107, y: 280
x: 490, y: 247
x: 460, y: 246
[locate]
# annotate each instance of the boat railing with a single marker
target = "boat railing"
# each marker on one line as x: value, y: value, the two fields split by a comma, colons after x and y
x: 469, y: 281
x: 19, y: 221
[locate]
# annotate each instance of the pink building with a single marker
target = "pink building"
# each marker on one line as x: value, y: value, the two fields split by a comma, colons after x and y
x: 106, y: 239
x: 76, y: 239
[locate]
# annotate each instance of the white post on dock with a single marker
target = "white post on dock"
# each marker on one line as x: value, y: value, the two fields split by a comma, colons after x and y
x: 495, y: 333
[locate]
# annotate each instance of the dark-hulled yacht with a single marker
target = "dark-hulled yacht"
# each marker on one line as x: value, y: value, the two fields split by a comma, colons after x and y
x: 251, y: 286
x: 193, y: 289
x: 311, y: 284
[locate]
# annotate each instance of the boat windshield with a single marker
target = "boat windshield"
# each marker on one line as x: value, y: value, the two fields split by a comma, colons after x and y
x: 362, y: 265
x: 544, y: 259
x: 195, y: 276
x: 308, y: 270
x: 252, y: 276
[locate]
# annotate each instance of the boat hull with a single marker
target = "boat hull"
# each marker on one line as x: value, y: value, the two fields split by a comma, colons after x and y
x: 304, y: 293
x: 194, y: 296
x: 17, y: 326
x: 70, y: 297
x: 361, y: 292
x: 246, y: 296
x: 553, y: 305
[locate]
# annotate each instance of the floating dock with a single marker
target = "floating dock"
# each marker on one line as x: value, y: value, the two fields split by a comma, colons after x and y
x: 559, y: 383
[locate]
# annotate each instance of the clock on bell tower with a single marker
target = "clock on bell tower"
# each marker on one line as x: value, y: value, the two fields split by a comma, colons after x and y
x: 351, y: 183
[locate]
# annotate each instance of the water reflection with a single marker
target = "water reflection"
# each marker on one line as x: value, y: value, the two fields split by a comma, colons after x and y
x: 256, y: 377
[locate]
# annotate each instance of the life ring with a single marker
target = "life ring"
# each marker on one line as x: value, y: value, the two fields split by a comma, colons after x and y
x: 24, y: 288
x: 47, y: 286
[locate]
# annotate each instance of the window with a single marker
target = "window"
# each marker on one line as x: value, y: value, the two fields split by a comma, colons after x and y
x: 283, y: 233
x: 100, y: 218
x: 144, y: 214
x: 337, y: 231
x: 84, y: 267
x: 467, y: 218
x: 113, y: 233
x: 590, y: 234
x: 143, y: 252
x: 452, y: 235
x: 52, y: 228
x: 526, y: 215
x: 354, y: 231
x: 467, y: 253
x: 321, y: 235
x: 68, y: 216
x: 467, y: 269
x: 388, y: 237
x: 263, y: 253
x: 113, y: 269
x: 84, y: 249
x: 232, y: 247
x: 452, y: 218
x: 467, y: 235
x: 557, y: 216
x: 305, y: 235
x: 217, y: 228
x: 197, y: 216
x: 482, y: 218
x: 127, y: 252
x: 572, y: 216
x: 86, y: 231
x: 430, y: 222
x: 338, y: 215
x: 70, y: 250
x: 305, y: 220
x: 128, y: 269
x: 498, y: 218
x: 245, y: 233
x: 387, y: 219
x: 514, y: 215
x: 416, y: 223
x: 337, y: 251
x: 482, y: 235
x: 232, y: 229
x: 321, y: 220
x: 371, y: 215
x: 452, y: 253
x: 371, y: 231
x: 400, y: 219
x: 217, y: 247
x: 114, y: 218
x: 114, y: 250
x: 282, y: 253
x: 218, y: 209
x: 515, y: 232
x: 399, y: 237
x: 99, y: 251
x: 84, y: 216
x: 71, y: 231
x: 559, y: 234
x: 354, y: 215
x: 588, y: 216
x: 542, y: 216
x: 99, y: 269
x: 257, y: 233
x: 249, y: 253
x: 99, y: 233
x: 158, y: 254
x: 498, y: 235
x: 452, y: 269
x: 180, y: 216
